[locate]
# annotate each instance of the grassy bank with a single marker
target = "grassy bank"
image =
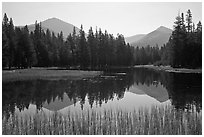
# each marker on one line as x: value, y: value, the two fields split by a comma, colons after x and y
x: 170, y: 69
x: 45, y: 73
x: 159, y: 121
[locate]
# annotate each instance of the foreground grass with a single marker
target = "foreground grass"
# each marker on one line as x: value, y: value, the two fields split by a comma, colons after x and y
x: 159, y: 121
x: 45, y: 73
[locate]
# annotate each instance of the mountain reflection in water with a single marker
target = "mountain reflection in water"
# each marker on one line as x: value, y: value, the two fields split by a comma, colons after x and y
x: 120, y: 89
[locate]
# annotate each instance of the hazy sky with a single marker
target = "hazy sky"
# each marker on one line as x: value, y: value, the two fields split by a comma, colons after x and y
x: 125, y: 18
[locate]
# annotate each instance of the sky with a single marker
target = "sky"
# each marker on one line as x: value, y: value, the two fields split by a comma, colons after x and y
x: 127, y: 18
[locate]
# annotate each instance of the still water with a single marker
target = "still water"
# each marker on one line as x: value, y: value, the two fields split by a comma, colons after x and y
x: 127, y: 89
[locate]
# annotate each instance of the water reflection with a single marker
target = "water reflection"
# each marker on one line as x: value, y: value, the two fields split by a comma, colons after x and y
x: 120, y: 88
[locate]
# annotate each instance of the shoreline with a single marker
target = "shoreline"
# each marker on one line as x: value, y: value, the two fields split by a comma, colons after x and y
x: 63, y: 74
x: 46, y: 74
x: 169, y: 69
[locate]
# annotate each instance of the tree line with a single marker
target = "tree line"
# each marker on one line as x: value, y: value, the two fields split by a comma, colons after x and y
x: 98, y: 50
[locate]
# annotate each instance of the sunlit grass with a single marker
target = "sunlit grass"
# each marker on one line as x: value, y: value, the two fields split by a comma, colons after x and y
x: 160, y: 120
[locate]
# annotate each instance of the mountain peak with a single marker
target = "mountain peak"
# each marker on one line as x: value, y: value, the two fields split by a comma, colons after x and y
x: 54, y: 20
x: 58, y: 25
x: 164, y: 29
x: 159, y: 37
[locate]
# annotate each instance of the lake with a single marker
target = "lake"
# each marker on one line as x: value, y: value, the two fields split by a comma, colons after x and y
x: 122, y: 89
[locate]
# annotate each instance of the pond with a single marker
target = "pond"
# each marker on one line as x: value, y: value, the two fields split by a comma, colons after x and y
x: 122, y: 89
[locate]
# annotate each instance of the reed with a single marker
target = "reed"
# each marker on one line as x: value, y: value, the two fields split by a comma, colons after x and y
x: 159, y: 120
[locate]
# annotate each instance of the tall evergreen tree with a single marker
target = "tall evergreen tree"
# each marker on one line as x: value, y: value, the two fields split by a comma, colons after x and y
x: 96, y: 50
x: 30, y: 56
x: 12, y: 44
x: 5, y: 41
x: 91, y: 47
x: 189, y: 20
x: 72, y: 39
x: 83, y: 50
x: 177, y: 43
x: 40, y: 46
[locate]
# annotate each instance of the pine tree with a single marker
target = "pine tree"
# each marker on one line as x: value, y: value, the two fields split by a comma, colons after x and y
x: 12, y: 44
x: 5, y: 52
x: 83, y: 50
x: 48, y: 41
x: 5, y: 41
x: 106, y: 50
x: 120, y: 42
x: 189, y: 21
x: 30, y: 55
x: 176, y: 43
x: 91, y: 46
x: 65, y: 55
x: 96, y: 46
x: 198, y: 39
x: 112, y: 50
x: 40, y: 46
x: 19, y: 54
x: 72, y: 39
x: 55, y: 50
x: 199, y: 27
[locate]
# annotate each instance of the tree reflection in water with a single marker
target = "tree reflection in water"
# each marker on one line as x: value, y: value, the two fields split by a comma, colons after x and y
x: 185, y: 90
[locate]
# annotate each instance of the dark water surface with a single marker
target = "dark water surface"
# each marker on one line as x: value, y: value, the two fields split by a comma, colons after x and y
x: 120, y: 89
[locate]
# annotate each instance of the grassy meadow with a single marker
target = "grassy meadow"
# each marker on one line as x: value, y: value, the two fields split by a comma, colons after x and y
x: 46, y: 73
x: 158, y: 121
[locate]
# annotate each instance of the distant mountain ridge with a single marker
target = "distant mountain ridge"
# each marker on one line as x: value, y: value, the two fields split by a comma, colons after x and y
x: 159, y: 37
x: 56, y: 25
x: 134, y: 38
